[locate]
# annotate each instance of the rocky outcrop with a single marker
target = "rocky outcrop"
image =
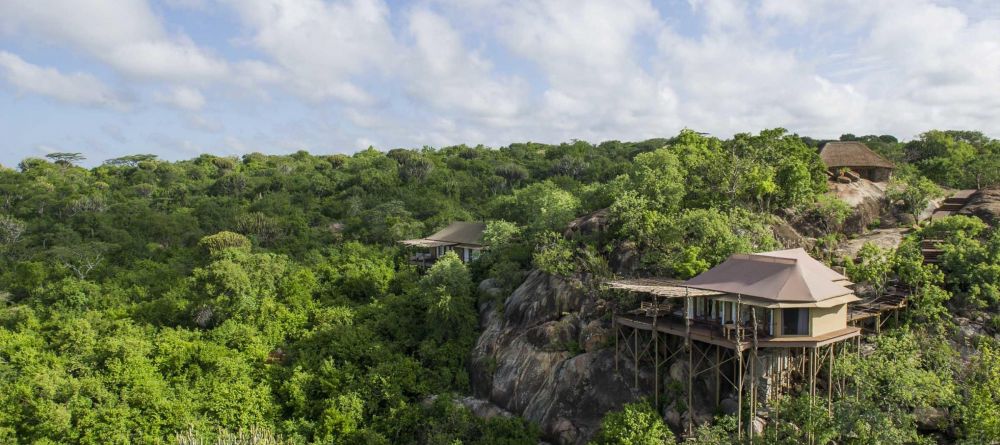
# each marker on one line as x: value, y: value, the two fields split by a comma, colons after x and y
x: 545, y: 357
x: 866, y: 198
x: 984, y: 204
x: 883, y: 238
x: 589, y: 224
x: 789, y: 236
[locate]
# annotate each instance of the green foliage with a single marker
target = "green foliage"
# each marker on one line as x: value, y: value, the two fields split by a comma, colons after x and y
x: 960, y: 159
x: 500, y: 233
x: 970, y: 260
x: 221, y: 241
x: 914, y: 191
x: 147, y: 301
x: 872, y: 267
x: 553, y: 255
x: 540, y: 206
x: 657, y: 176
x: 943, y: 228
x: 636, y: 424
x: 826, y: 212
x: 981, y: 413
x: 905, y: 371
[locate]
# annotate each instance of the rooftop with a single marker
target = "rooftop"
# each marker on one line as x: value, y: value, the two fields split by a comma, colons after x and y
x: 851, y: 154
x: 782, y: 278
x: 459, y: 232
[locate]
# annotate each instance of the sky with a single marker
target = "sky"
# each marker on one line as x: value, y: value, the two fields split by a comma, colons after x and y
x: 178, y: 78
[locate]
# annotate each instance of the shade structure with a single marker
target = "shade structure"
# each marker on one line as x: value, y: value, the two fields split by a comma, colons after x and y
x: 457, y: 233
x: 783, y: 276
x: 661, y: 287
x: 422, y: 242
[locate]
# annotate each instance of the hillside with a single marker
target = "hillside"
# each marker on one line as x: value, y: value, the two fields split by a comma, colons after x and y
x: 146, y: 301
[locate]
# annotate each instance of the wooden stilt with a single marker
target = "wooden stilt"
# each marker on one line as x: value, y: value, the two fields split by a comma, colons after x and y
x: 618, y: 332
x: 656, y: 357
x: 829, y: 381
x: 635, y: 355
x: 753, y: 375
x: 690, y: 389
x: 718, y: 377
x: 739, y: 394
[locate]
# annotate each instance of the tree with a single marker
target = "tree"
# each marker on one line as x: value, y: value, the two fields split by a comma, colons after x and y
x: 981, y: 412
x: 221, y: 241
x: 659, y: 177
x: 65, y: 159
x: 914, y: 191
x: 636, y: 424
x: 553, y: 255
x: 872, y: 267
x: 81, y: 259
x: 11, y: 230
x: 541, y: 206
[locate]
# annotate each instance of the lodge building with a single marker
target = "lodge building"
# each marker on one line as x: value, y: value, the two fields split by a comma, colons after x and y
x: 464, y: 238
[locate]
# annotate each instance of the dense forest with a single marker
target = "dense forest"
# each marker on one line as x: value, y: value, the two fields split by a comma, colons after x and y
x: 218, y: 298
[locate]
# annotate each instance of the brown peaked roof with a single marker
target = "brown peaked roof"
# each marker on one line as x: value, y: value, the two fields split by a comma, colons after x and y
x: 851, y: 154
x: 459, y: 232
x: 784, y: 276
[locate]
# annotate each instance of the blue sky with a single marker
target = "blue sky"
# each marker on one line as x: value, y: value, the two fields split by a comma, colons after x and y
x: 182, y: 77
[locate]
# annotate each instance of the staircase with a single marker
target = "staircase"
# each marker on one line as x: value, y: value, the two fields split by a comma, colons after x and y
x: 931, y: 250
x: 952, y: 204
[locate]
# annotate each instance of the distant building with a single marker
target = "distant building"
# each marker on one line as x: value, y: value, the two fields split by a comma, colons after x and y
x: 465, y: 238
x: 858, y: 158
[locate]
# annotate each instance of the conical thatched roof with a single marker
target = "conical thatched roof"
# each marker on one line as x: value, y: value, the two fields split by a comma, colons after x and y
x: 851, y: 154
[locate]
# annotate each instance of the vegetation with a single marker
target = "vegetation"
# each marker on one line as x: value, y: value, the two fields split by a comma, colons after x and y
x: 218, y: 299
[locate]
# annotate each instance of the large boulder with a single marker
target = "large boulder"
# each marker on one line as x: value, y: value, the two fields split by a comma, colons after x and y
x: 545, y: 358
x: 984, y: 204
x: 866, y: 199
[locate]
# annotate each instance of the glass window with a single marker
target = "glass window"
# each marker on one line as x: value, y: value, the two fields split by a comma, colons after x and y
x: 795, y: 321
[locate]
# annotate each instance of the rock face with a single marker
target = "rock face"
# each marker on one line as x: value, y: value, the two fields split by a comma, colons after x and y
x: 866, y: 198
x: 546, y: 358
x: 984, y: 204
x: 884, y: 238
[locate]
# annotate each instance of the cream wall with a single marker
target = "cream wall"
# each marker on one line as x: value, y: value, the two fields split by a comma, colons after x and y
x: 826, y: 320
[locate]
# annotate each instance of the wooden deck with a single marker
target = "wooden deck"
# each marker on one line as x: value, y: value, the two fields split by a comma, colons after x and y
x: 894, y: 299
x: 707, y: 332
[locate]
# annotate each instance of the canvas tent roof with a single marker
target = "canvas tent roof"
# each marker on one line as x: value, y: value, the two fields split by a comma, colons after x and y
x: 459, y: 232
x: 783, y: 276
x: 851, y: 154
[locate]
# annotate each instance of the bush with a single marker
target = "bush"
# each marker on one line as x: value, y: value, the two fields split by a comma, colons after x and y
x: 553, y: 255
x: 636, y: 424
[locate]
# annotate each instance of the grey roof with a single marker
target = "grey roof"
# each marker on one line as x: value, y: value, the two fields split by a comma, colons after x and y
x: 784, y: 276
x: 851, y: 154
x: 459, y: 232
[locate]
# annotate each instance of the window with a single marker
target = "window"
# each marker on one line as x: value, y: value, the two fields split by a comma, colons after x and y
x: 795, y: 321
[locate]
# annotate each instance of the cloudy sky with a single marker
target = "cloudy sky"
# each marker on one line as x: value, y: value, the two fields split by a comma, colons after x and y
x: 182, y: 77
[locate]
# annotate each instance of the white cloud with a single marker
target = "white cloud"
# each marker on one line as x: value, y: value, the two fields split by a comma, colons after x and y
x: 595, y: 85
x: 325, y: 48
x: 452, y: 79
x: 126, y: 34
x: 185, y: 98
x: 329, y: 74
x: 76, y: 88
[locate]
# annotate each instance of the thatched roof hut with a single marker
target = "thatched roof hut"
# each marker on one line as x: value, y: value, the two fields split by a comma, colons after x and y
x: 858, y: 157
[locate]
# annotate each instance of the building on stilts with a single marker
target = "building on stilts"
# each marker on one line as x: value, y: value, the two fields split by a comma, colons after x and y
x: 750, y: 329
